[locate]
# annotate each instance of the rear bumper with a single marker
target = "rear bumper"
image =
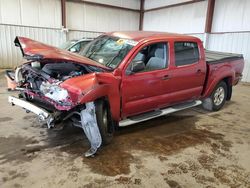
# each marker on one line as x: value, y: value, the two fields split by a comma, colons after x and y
x: 42, y: 113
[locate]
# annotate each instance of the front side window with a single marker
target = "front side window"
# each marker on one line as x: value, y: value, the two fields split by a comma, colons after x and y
x: 186, y: 53
x: 154, y: 57
x: 108, y: 50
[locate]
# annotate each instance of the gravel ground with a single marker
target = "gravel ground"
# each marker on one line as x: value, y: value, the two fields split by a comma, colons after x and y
x: 192, y: 148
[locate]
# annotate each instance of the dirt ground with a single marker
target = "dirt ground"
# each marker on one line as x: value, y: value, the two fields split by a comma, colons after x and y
x: 192, y: 148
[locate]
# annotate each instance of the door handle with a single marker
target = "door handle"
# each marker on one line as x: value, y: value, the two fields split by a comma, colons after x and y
x: 166, y: 77
x: 198, y: 71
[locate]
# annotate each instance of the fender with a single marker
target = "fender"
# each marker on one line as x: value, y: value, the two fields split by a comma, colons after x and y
x: 216, y: 76
x: 93, y: 86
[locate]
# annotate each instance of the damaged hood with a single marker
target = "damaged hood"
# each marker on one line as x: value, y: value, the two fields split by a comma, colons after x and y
x: 37, y: 51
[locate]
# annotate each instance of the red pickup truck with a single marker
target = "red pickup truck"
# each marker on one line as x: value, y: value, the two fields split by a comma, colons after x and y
x: 122, y: 78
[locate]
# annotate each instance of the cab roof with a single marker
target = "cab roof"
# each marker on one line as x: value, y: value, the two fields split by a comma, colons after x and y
x: 147, y: 35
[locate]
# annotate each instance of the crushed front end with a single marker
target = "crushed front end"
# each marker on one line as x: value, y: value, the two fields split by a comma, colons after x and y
x: 41, y: 91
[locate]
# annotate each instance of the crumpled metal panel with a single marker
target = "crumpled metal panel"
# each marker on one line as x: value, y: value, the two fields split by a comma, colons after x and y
x: 90, y: 127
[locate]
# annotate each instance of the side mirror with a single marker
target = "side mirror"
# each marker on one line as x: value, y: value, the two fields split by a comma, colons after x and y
x: 73, y: 50
x: 136, y: 66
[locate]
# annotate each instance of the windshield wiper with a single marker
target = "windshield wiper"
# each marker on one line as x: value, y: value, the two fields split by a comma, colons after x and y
x: 113, y: 58
x: 89, y: 56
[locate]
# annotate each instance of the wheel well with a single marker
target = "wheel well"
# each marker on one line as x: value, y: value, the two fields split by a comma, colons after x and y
x: 104, y: 99
x: 228, y: 81
x: 107, y: 104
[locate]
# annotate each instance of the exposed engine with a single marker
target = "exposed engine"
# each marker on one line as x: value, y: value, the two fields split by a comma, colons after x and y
x: 37, y: 79
x: 41, y: 85
x: 45, y: 92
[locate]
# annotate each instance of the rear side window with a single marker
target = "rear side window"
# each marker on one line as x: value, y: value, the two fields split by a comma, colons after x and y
x: 186, y: 53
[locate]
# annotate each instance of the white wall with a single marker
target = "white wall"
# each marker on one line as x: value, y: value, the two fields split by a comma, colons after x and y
x: 41, y: 20
x: 234, y: 43
x: 40, y: 13
x: 36, y: 19
x: 149, y: 4
x: 182, y: 19
x: 231, y: 15
x: 82, y: 16
x: 133, y: 4
x: 230, y: 28
x: 10, y: 55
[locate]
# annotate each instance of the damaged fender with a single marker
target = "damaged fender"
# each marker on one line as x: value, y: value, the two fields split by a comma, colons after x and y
x: 94, y: 86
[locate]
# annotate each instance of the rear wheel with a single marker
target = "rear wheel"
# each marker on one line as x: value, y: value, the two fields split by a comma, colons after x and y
x: 104, y: 121
x: 217, y: 99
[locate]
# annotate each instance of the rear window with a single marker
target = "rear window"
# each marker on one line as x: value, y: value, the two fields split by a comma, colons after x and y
x: 186, y: 53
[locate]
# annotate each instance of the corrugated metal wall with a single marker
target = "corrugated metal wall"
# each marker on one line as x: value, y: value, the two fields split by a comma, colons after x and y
x: 36, y: 19
x: 10, y: 55
x: 149, y: 4
x: 77, y: 34
x: 231, y: 16
x: 133, y: 4
x: 41, y: 20
x: 38, y: 13
x: 230, y: 29
x: 234, y: 43
x: 182, y: 19
x: 82, y: 16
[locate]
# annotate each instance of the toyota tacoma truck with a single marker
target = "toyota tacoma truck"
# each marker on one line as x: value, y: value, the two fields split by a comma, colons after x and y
x: 122, y: 78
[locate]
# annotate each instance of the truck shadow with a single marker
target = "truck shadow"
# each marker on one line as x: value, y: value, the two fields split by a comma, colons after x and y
x: 160, y: 137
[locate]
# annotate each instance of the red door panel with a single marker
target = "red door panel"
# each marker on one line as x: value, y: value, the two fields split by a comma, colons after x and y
x: 142, y: 91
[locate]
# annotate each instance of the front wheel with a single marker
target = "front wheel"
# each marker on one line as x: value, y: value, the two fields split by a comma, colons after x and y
x: 217, y: 99
x: 104, y: 121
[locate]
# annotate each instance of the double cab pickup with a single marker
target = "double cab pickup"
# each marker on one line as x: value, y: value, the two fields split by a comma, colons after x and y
x: 122, y: 78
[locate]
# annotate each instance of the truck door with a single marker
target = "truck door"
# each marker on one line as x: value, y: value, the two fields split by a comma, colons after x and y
x: 187, y: 73
x: 142, y: 89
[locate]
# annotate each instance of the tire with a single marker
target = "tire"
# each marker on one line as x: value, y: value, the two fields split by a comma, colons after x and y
x: 219, y: 96
x: 104, y: 121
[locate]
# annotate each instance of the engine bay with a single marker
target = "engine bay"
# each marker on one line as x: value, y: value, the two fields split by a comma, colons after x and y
x: 38, y: 81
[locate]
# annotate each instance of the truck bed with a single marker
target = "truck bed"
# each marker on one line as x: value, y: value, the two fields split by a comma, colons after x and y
x: 213, y: 57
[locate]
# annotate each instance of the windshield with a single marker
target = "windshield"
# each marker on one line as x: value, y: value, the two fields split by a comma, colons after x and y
x: 67, y: 44
x: 107, y: 50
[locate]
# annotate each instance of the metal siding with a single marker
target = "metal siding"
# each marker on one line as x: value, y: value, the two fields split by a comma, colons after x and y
x: 82, y: 34
x: 95, y: 18
x: 75, y: 18
x: 231, y: 15
x: 234, y: 43
x: 40, y: 13
x: 134, y: 4
x: 41, y: 20
x: 10, y: 12
x: 50, y: 13
x: 182, y: 19
x: 10, y: 56
x: 149, y: 4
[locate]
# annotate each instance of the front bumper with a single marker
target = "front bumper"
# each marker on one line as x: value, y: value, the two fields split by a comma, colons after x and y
x: 29, y: 107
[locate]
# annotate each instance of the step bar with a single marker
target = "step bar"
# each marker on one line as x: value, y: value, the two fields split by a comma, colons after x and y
x: 158, y: 113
